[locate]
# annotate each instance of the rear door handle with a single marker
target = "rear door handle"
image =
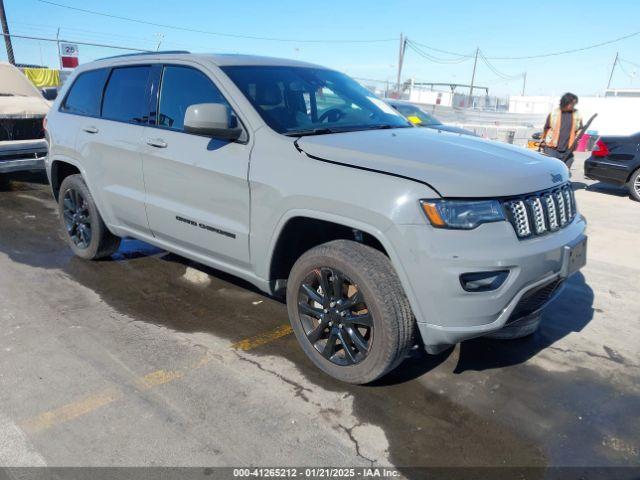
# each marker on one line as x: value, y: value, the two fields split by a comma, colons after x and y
x: 90, y: 129
x: 156, y: 142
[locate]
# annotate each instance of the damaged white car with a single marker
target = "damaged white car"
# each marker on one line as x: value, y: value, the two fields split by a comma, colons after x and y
x: 22, y: 111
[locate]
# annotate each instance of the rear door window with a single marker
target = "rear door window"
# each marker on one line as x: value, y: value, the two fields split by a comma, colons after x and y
x: 125, y: 98
x: 86, y: 93
x: 181, y: 88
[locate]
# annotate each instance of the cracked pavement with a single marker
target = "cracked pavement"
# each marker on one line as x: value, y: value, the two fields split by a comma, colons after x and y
x: 150, y: 359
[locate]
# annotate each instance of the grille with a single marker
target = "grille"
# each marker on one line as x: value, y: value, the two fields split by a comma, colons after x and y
x: 21, y: 129
x: 542, y: 212
x: 534, y: 300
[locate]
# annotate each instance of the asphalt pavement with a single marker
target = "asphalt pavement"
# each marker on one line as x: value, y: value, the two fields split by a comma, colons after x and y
x: 148, y: 359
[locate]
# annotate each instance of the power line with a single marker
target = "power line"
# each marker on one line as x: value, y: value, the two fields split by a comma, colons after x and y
x: 433, y: 58
x: 426, y: 56
x: 501, y: 81
x: 504, y: 76
x: 630, y: 75
x: 541, y: 55
x: 92, y: 34
x: 573, y: 50
x: 208, y: 32
x: 471, y: 55
x: 630, y: 63
x: 60, y: 40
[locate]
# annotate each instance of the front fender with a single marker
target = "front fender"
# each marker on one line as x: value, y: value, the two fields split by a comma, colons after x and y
x: 388, y: 236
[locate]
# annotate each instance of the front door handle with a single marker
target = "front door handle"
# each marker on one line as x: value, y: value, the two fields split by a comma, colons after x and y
x: 90, y: 129
x: 156, y: 142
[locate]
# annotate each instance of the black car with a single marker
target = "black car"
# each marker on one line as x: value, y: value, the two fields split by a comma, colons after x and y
x: 616, y: 160
x: 420, y: 118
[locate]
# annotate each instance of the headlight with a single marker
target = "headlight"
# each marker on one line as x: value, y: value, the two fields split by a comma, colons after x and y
x: 462, y: 214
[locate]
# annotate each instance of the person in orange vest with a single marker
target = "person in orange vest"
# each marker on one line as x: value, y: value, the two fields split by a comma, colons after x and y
x: 561, y: 128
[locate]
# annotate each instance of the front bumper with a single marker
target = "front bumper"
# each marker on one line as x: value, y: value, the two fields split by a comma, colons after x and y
x: 446, y: 314
x: 22, y: 155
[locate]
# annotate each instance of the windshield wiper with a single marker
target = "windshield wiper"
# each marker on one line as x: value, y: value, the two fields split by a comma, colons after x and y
x: 384, y: 126
x: 312, y: 131
x: 327, y: 130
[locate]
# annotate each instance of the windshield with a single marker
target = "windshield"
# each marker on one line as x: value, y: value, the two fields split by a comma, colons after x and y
x: 417, y: 116
x: 312, y: 101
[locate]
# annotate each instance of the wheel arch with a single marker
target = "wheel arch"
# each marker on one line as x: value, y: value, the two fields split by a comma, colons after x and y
x: 634, y: 170
x: 371, y: 234
x: 61, y: 169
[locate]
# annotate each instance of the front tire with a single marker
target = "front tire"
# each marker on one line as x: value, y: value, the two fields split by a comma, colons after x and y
x: 349, y: 311
x: 634, y: 185
x: 82, y: 225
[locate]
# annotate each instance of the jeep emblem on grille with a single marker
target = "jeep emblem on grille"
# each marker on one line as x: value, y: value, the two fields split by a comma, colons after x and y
x: 556, y: 177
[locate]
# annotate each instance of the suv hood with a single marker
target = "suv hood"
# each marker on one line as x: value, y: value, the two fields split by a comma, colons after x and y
x: 450, y: 128
x: 19, y: 98
x: 455, y: 165
x: 22, y: 107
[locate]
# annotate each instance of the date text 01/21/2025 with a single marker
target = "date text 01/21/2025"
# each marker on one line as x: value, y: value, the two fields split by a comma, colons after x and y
x: 316, y: 472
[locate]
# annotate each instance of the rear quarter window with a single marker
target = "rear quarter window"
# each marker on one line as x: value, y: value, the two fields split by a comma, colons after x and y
x: 125, y: 97
x: 86, y: 93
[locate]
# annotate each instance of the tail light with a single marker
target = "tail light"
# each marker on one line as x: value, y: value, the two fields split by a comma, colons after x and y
x: 44, y: 123
x: 600, y: 149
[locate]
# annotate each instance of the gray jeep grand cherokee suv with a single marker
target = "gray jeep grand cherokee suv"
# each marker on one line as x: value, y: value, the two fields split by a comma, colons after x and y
x: 295, y: 178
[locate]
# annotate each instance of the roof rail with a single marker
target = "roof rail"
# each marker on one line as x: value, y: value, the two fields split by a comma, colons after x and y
x: 162, y: 52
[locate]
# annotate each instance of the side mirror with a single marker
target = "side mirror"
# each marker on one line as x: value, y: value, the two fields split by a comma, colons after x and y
x: 49, y: 93
x: 537, y: 136
x: 212, y: 120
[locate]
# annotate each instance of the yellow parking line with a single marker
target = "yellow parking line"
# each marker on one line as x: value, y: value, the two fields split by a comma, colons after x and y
x: 70, y: 411
x: 158, y: 377
x: 73, y: 410
x: 262, y: 339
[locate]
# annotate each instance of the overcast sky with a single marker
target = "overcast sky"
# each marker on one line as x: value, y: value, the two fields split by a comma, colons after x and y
x: 499, y: 28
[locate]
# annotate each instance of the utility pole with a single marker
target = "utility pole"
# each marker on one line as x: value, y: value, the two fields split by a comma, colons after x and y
x: 58, y: 48
x: 615, y: 62
x: 160, y: 37
x: 524, y: 82
x: 473, y: 76
x: 403, y: 47
x: 6, y: 34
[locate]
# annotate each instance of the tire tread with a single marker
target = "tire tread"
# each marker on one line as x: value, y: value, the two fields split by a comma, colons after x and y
x: 107, y: 243
x: 381, y: 277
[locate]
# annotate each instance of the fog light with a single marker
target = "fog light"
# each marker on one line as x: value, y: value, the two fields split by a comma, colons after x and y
x: 483, y: 281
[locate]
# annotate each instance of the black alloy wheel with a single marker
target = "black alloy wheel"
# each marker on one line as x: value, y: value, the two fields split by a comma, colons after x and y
x: 335, y: 317
x: 77, y: 218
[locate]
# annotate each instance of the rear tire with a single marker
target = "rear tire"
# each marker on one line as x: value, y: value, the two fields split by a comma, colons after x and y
x: 633, y: 185
x: 82, y: 225
x: 349, y: 311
